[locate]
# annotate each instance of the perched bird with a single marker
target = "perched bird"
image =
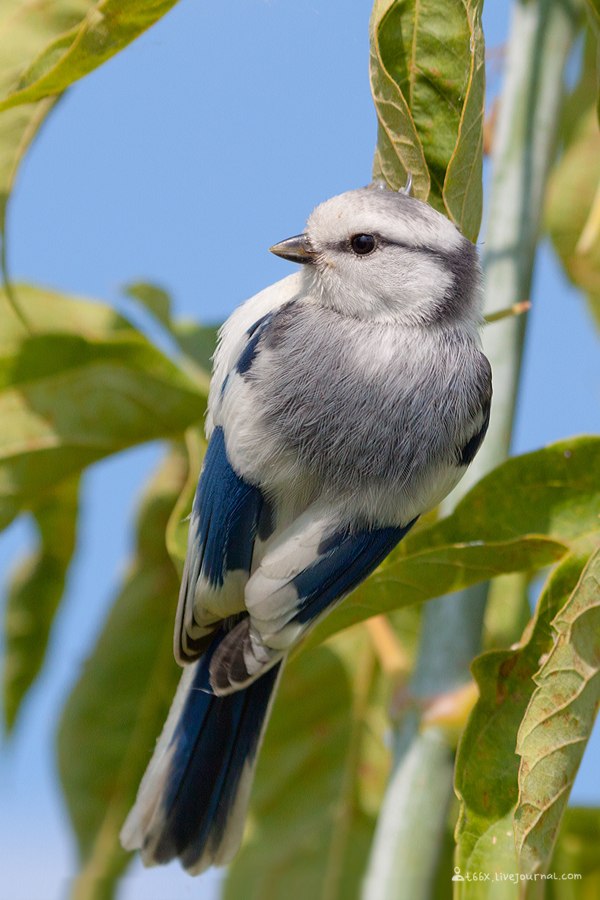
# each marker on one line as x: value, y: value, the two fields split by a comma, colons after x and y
x: 346, y: 400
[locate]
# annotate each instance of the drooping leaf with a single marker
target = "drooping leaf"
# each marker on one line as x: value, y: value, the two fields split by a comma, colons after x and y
x: 35, y: 592
x: 118, y: 706
x: 558, y: 721
x: 24, y: 32
x: 154, y: 298
x: 486, y: 779
x: 197, y: 342
x: 519, y: 518
x: 85, y: 384
x: 44, y: 48
x: 320, y: 779
x: 18, y: 128
x: 75, y: 38
x: 427, y: 80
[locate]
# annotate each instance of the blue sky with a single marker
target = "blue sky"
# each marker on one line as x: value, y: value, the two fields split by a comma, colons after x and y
x: 181, y: 161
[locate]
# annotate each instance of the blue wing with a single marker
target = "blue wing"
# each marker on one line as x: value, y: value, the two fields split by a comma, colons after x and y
x: 287, y: 595
x: 225, y: 518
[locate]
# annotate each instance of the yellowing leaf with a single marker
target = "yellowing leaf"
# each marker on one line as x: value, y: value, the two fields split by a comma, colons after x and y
x: 486, y: 779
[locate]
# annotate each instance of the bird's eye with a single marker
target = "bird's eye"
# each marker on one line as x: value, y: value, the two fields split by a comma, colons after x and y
x: 362, y: 243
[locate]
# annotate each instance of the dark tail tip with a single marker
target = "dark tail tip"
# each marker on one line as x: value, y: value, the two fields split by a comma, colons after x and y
x: 203, y: 787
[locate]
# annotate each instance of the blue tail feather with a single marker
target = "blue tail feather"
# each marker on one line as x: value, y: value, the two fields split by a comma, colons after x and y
x: 214, y: 743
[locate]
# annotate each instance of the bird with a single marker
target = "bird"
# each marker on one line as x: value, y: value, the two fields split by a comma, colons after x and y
x: 346, y: 400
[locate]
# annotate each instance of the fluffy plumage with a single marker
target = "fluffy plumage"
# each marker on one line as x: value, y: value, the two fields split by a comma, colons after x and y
x: 346, y: 400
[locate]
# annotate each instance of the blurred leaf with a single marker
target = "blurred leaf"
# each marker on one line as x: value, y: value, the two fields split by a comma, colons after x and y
x: 507, y: 610
x: 486, y: 780
x: 320, y: 779
x: 558, y: 721
x: 24, y: 32
x: 445, y: 866
x: 18, y: 128
x: 45, y: 47
x: 594, y: 11
x: 577, y: 853
x: 154, y: 298
x: 197, y: 341
x: 54, y: 46
x: 85, y: 384
x: 178, y: 525
x: 36, y: 589
x: 427, y: 79
x: 117, y: 708
x: 521, y: 517
x: 572, y: 212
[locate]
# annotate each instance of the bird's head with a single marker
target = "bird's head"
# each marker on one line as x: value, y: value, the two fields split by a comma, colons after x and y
x: 378, y: 255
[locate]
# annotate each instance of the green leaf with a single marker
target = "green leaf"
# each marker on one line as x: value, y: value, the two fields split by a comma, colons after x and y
x: 409, y: 577
x: 522, y: 516
x: 196, y: 341
x: 558, y: 721
x: 75, y: 38
x: 594, y: 11
x: 320, y: 779
x: 117, y: 708
x: 576, y: 853
x: 154, y: 298
x: 463, y: 192
x: 574, y: 227
x: 486, y: 780
x: 44, y: 48
x: 507, y: 610
x: 18, y: 128
x: 427, y: 80
x: 178, y: 525
x: 554, y: 492
x: 84, y: 385
x: 35, y: 592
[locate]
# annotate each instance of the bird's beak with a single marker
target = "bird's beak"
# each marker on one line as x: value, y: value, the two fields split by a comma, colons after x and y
x: 297, y: 249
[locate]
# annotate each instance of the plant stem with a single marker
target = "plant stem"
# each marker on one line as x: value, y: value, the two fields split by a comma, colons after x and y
x: 408, y: 837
